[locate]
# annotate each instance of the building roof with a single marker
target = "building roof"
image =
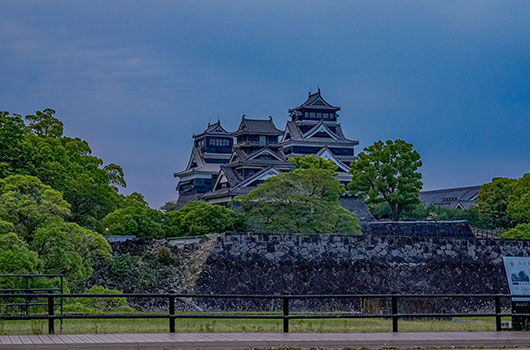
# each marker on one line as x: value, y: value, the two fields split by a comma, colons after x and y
x: 356, y: 206
x: 214, y: 129
x: 463, y: 197
x: 257, y: 127
x: 315, y: 101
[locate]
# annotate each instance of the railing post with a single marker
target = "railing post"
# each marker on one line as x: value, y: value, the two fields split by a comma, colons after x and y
x: 51, y: 320
x: 394, y: 313
x: 285, y: 313
x: 171, y: 313
x: 498, y: 322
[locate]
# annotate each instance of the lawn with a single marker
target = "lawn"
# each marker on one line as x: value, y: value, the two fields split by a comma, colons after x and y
x: 247, y: 325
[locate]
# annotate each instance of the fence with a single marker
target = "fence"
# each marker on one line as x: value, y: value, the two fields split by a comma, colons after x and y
x: 486, y: 233
x: 285, y: 315
x: 29, y: 292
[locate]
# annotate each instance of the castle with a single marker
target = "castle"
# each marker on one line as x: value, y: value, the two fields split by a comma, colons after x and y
x: 225, y: 164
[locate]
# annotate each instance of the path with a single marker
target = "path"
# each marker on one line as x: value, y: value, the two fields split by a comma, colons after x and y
x: 264, y: 340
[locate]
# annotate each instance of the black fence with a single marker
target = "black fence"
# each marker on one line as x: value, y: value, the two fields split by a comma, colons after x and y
x: 285, y: 315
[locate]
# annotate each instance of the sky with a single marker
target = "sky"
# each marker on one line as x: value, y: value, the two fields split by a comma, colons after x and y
x: 137, y: 78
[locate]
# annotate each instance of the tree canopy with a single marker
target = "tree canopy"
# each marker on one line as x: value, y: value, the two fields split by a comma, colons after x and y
x: 313, y: 162
x: 387, y: 172
x: 304, y: 201
x: 198, y: 218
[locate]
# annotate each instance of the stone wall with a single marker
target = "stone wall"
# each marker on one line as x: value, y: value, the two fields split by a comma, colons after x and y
x: 335, y: 264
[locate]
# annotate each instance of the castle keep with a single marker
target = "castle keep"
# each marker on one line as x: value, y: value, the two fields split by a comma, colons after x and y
x: 223, y: 165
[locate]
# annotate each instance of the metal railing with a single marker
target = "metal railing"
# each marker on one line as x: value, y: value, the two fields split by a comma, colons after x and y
x: 285, y: 315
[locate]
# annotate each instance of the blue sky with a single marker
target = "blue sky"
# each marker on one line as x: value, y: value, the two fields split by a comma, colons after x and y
x: 137, y: 78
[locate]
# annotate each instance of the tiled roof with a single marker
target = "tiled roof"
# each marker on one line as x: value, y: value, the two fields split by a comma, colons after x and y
x: 312, y: 101
x: 358, y: 207
x: 451, y: 197
x: 257, y: 127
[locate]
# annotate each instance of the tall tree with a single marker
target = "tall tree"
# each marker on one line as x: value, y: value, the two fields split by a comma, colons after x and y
x: 387, y: 172
x: 493, y: 199
x: 304, y: 201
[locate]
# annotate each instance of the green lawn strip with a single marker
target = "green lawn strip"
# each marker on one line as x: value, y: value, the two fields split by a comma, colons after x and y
x: 246, y: 325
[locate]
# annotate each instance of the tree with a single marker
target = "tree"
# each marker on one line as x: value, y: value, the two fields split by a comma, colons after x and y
x: 313, y: 162
x: 16, y: 257
x: 304, y: 201
x: 26, y: 203
x: 143, y: 222
x: 387, y: 172
x: 169, y: 206
x: 44, y: 124
x: 521, y: 231
x: 198, y: 218
x: 493, y: 200
x: 70, y: 249
x: 519, y: 201
x: 66, y: 164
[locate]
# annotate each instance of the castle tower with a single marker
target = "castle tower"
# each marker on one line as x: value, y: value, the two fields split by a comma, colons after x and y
x: 211, y: 149
x: 314, y: 129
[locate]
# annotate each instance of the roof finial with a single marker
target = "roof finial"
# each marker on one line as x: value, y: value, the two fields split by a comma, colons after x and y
x: 270, y: 117
x: 243, y: 117
x: 318, y: 89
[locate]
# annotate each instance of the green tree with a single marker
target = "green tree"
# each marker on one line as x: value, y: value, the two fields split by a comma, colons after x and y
x: 521, y: 231
x: 519, y: 201
x: 387, y: 172
x: 313, y: 162
x: 198, y: 218
x: 44, y: 124
x: 26, y: 203
x: 16, y: 258
x: 66, y: 164
x: 12, y: 131
x: 492, y: 202
x: 169, y: 206
x: 304, y: 201
x: 99, y: 305
x: 143, y: 222
x: 70, y: 249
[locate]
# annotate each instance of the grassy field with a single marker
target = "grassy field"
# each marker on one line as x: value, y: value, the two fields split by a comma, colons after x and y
x: 240, y: 325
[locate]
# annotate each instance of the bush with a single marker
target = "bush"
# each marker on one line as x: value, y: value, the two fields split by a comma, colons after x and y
x: 98, y: 305
x: 520, y: 231
x: 198, y: 218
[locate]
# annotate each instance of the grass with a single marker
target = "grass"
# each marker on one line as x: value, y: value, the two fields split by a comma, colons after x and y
x: 247, y: 325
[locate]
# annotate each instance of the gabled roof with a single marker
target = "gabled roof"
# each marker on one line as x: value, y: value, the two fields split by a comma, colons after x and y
x: 257, y: 127
x: 260, y: 175
x: 315, y: 101
x: 328, y: 155
x: 321, y: 127
x: 215, y: 129
x: 264, y: 151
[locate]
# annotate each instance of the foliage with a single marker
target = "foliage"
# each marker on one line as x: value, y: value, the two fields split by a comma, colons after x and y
x: 519, y: 202
x: 313, y: 162
x: 16, y: 257
x: 305, y: 201
x: 87, y: 305
x: 520, y: 231
x: 69, y: 249
x: 26, y: 203
x: 198, y: 218
x: 492, y: 201
x: 169, y: 206
x: 64, y: 163
x: 141, y: 221
x: 44, y: 124
x: 387, y: 172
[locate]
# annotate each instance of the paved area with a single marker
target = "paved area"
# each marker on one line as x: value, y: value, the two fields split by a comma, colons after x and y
x: 146, y: 341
